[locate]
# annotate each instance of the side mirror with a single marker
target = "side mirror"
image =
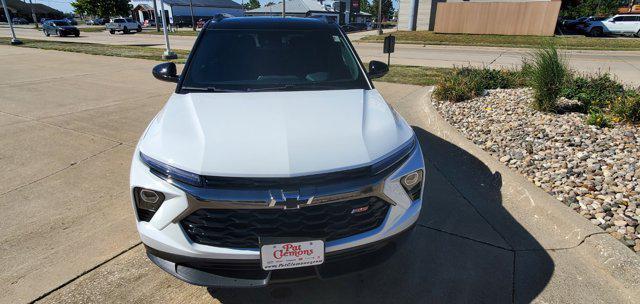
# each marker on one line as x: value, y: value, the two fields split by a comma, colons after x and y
x: 377, y: 69
x: 166, y: 72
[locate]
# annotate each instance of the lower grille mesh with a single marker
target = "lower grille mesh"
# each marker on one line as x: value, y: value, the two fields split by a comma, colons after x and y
x: 242, y: 228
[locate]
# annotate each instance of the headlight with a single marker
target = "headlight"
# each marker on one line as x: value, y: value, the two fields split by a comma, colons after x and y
x: 171, y: 173
x: 147, y: 202
x: 412, y: 184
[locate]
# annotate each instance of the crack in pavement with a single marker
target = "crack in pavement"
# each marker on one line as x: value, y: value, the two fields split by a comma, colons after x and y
x: 61, y: 170
x: 44, y: 295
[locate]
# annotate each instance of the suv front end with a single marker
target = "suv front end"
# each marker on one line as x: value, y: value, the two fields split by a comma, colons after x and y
x: 228, y: 170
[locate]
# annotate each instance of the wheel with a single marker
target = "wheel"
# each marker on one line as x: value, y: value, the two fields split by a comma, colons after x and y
x: 596, y: 32
x: 139, y: 29
x: 59, y: 33
x: 125, y: 30
x: 77, y: 34
x: 46, y: 33
x: 112, y: 32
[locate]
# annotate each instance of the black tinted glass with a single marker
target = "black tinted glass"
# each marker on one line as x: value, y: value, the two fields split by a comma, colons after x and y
x: 252, y: 59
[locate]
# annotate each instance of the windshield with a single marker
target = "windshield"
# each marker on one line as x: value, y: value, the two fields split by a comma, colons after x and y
x: 270, y: 60
x: 60, y: 23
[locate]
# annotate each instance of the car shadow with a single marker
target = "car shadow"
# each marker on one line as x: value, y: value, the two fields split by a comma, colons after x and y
x: 458, y: 253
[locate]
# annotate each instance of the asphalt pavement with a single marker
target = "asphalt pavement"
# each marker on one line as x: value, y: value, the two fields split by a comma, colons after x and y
x: 625, y: 65
x: 68, y: 127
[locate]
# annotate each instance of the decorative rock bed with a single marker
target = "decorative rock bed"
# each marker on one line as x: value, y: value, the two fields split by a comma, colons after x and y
x: 594, y: 171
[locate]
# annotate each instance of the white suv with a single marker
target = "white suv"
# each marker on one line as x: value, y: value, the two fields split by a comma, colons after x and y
x: 627, y: 24
x: 275, y: 159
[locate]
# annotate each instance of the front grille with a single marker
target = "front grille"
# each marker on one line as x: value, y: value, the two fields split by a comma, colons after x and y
x: 242, y: 228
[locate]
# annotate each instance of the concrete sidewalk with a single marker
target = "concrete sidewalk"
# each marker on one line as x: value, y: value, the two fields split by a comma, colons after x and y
x: 67, y: 231
x: 625, y: 65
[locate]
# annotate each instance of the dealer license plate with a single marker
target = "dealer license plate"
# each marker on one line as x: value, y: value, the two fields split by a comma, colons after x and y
x: 292, y: 255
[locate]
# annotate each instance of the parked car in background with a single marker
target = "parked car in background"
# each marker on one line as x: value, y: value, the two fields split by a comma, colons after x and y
x: 71, y: 21
x: 97, y: 21
x: 59, y: 28
x: 18, y: 20
x: 124, y: 25
x: 628, y: 24
x: 201, y: 22
x: 581, y: 27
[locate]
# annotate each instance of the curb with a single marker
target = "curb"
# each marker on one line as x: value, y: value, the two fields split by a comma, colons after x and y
x: 555, y: 226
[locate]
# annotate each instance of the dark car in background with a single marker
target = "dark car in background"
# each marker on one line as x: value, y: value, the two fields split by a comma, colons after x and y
x: 59, y: 28
x: 17, y: 20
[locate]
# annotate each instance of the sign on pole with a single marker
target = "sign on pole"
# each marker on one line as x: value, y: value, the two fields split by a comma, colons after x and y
x: 389, y: 47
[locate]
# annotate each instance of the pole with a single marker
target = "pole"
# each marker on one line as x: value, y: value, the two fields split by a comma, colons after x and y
x: 168, y: 54
x: 155, y: 15
x: 33, y: 15
x: 379, y: 17
x: 193, y: 19
x: 14, y: 40
x: 283, y: 8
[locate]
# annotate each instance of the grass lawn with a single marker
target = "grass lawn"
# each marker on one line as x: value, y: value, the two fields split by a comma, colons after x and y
x: 139, y: 52
x: 564, y: 42
x: 98, y: 28
x: 423, y: 76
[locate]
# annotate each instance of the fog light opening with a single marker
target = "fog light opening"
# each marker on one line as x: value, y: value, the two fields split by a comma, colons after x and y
x: 412, y: 184
x: 147, y: 202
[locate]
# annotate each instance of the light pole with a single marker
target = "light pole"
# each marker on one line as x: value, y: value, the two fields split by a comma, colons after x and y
x: 193, y: 19
x: 14, y: 40
x: 379, y: 17
x: 33, y: 15
x: 283, y: 8
x: 168, y: 54
x: 155, y: 15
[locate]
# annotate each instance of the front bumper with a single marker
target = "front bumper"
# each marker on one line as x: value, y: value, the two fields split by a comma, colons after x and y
x: 248, y: 273
x: 171, y: 249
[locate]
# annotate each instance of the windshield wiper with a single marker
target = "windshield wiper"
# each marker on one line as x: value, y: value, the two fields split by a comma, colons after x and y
x: 210, y: 89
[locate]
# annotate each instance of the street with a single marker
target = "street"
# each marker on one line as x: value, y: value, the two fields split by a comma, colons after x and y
x: 625, y: 65
x: 68, y: 128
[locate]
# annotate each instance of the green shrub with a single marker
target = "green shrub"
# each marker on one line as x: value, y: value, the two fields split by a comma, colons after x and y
x: 598, y: 118
x: 454, y: 88
x: 597, y: 91
x: 548, y: 72
x: 627, y: 107
x: 466, y: 83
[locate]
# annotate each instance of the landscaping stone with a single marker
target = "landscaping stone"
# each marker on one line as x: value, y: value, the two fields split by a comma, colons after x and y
x: 595, y: 171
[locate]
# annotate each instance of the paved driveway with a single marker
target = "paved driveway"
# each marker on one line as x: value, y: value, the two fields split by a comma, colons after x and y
x: 625, y: 65
x: 67, y: 132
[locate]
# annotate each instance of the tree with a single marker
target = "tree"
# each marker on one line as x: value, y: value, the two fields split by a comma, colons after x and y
x: 586, y: 8
x: 387, y: 9
x: 252, y: 4
x: 270, y: 3
x: 365, y: 6
x: 102, y: 8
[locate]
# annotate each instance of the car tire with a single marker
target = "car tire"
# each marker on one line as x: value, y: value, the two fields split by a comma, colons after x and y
x: 125, y: 30
x: 596, y: 32
x: 139, y: 29
x: 59, y: 33
x: 76, y: 34
x: 112, y: 32
x: 46, y: 33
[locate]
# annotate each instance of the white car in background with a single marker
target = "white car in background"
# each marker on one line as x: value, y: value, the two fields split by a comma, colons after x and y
x: 274, y: 160
x: 124, y: 25
x: 627, y: 24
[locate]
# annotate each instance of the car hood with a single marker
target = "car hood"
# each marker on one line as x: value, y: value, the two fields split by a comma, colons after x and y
x: 274, y: 134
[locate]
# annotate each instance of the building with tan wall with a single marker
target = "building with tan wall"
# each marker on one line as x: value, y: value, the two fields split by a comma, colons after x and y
x: 503, y: 17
